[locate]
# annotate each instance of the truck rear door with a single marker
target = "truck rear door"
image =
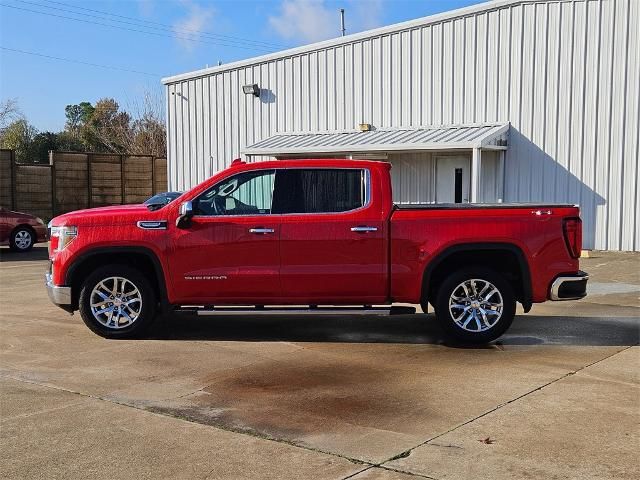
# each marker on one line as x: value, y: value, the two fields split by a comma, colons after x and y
x: 332, y: 236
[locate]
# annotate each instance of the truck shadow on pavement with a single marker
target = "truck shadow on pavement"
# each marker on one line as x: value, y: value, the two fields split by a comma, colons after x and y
x: 407, y: 329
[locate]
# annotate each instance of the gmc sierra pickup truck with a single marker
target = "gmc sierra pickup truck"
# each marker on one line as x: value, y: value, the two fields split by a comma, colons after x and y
x: 312, y: 234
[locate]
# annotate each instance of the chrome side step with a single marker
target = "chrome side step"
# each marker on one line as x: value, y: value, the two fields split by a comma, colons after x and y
x: 260, y: 310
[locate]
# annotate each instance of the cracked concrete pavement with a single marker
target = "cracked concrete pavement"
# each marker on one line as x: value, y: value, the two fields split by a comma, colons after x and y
x: 300, y: 397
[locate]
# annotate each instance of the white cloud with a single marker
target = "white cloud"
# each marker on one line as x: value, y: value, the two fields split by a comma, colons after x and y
x: 306, y: 20
x: 313, y: 20
x: 196, y: 21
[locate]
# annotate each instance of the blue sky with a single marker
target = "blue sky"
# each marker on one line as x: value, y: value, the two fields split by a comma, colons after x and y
x: 158, y: 38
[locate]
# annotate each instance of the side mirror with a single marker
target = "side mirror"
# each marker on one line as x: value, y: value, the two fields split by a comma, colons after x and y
x: 186, y: 212
x: 186, y: 209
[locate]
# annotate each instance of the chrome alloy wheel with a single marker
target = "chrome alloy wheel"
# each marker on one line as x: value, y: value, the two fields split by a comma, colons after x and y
x: 116, y: 302
x: 475, y: 305
x: 23, y: 239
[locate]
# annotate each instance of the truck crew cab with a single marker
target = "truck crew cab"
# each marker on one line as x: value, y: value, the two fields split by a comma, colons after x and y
x: 312, y: 233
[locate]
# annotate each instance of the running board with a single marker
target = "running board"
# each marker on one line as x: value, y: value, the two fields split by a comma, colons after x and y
x: 229, y: 311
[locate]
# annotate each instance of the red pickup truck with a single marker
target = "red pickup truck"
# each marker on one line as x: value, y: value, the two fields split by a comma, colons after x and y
x: 312, y: 233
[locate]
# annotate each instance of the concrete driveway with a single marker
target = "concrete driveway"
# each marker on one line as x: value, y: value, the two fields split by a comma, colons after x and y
x: 300, y: 397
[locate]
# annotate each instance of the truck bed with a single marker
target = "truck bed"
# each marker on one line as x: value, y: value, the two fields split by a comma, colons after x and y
x: 420, y: 233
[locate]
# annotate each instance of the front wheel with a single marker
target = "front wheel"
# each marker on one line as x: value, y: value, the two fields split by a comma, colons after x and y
x: 117, y: 302
x: 22, y: 239
x: 475, y: 305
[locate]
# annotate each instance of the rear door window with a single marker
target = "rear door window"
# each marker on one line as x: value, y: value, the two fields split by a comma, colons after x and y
x: 319, y: 190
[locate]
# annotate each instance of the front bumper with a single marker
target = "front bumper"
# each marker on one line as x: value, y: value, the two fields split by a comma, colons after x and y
x: 569, y: 286
x: 58, y: 295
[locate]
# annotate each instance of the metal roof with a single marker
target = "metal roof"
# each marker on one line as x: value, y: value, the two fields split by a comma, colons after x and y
x: 492, y: 136
x: 490, y: 5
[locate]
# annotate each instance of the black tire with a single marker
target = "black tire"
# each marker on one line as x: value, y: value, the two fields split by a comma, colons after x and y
x: 19, y: 236
x: 145, y: 316
x: 452, y: 284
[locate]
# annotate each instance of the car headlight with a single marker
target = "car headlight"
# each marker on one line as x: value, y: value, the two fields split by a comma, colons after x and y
x: 39, y: 220
x: 62, y: 236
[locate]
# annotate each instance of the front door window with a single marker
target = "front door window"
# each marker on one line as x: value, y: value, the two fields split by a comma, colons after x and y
x: 248, y: 193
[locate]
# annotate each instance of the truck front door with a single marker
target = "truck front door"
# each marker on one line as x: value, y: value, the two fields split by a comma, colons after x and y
x: 229, y: 253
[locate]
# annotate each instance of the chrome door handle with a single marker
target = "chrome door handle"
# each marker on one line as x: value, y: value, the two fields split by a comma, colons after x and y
x: 539, y: 213
x: 261, y: 231
x: 364, y: 229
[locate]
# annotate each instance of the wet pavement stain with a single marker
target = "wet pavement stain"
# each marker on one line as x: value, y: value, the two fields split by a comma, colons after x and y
x: 387, y: 396
x: 293, y: 401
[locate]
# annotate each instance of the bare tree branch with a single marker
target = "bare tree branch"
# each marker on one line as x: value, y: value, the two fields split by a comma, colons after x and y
x: 9, y: 112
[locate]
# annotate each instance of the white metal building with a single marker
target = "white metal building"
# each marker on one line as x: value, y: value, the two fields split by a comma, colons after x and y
x: 510, y: 100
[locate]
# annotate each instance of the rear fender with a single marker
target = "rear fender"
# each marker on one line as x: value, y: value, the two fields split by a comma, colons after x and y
x: 452, y: 251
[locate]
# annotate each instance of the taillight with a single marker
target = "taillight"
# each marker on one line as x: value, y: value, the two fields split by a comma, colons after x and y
x: 572, y: 229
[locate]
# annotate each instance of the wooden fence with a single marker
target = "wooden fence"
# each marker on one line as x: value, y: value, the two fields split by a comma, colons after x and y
x: 73, y: 181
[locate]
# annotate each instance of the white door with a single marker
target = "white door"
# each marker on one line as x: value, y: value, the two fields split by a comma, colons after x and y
x: 453, y: 179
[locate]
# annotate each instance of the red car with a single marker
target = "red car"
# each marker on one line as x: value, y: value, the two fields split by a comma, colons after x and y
x: 312, y: 233
x: 21, y: 231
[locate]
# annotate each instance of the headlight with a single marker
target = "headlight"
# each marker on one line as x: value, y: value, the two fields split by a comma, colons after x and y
x: 39, y: 220
x: 62, y: 236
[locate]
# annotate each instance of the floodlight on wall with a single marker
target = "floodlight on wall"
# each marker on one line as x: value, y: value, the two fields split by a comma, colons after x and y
x: 251, y: 90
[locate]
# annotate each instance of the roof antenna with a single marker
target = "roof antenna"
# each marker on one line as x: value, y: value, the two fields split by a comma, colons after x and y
x: 342, y: 29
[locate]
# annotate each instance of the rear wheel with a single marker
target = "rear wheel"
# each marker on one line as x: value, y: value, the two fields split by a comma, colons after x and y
x: 117, y: 302
x: 22, y: 239
x: 475, y: 305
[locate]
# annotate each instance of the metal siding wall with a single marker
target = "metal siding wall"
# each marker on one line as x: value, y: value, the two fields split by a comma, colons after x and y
x: 412, y: 177
x: 566, y: 74
x: 489, y: 177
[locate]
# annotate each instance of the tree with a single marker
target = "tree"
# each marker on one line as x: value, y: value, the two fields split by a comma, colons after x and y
x: 41, y: 144
x: 9, y: 112
x: 147, y: 135
x: 78, y: 115
x: 68, y: 142
x: 108, y: 127
x: 19, y: 136
x: 102, y: 127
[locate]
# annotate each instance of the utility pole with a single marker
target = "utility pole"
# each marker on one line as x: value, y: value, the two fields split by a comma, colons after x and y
x: 342, y: 29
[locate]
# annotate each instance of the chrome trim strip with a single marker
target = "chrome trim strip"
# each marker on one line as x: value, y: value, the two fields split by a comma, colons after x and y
x: 152, y: 224
x: 557, y: 283
x: 58, y: 295
x: 261, y: 230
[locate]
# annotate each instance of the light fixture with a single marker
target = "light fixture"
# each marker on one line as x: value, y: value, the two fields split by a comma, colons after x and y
x: 251, y: 90
x: 365, y: 127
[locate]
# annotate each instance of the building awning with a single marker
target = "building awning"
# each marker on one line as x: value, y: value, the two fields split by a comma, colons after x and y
x: 486, y: 136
